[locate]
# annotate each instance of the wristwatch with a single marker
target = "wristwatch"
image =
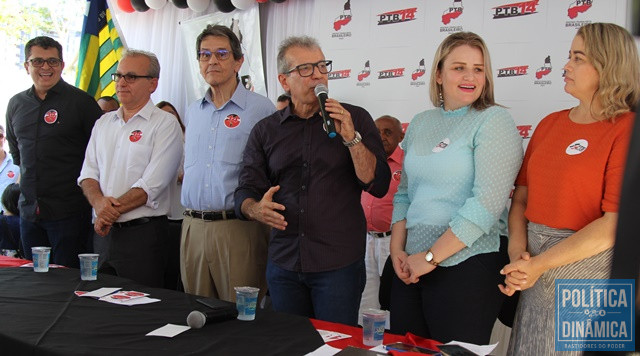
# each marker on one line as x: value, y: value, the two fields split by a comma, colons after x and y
x: 353, y: 142
x: 429, y: 258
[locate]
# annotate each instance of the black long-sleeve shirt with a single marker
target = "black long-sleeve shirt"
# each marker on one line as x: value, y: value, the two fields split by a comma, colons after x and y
x: 318, y: 186
x: 48, y: 139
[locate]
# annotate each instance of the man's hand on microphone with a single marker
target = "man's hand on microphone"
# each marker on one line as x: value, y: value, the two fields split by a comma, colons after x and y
x: 344, y: 123
x: 265, y: 210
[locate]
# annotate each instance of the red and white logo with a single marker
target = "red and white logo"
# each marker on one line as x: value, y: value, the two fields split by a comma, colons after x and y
x: 577, y: 147
x: 577, y: 7
x: 515, y: 71
x: 418, y: 72
x: 135, y: 136
x: 391, y: 73
x: 441, y: 145
x: 344, y: 18
x: 397, y: 16
x: 365, y: 72
x: 51, y: 116
x: 397, y: 175
x: 545, y: 69
x: 515, y: 9
x: 523, y: 130
x: 339, y: 74
x: 453, y: 12
x: 232, y: 121
x: 10, y: 174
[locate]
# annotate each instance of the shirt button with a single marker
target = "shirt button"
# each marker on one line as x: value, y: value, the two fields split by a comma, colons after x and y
x: 302, y: 234
x: 210, y: 147
x: 305, y: 164
x: 208, y: 165
x: 304, y: 187
x: 206, y: 185
x: 301, y: 211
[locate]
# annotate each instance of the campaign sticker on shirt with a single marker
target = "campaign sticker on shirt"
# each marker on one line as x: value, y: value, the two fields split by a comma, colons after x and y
x: 51, y: 116
x: 577, y: 147
x: 441, y: 145
x: 10, y: 174
x: 397, y: 175
x: 136, y: 135
x: 232, y: 121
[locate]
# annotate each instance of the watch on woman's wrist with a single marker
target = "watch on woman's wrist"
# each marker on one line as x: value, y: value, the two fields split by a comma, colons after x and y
x: 430, y: 258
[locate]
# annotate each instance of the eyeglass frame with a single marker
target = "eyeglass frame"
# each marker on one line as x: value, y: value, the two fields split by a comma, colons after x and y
x: 58, y: 62
x: 328, y: 63
x: 212, y: 53
x: 133, y: 77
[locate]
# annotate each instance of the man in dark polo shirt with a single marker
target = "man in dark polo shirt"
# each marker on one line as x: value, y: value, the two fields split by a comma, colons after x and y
x: 307, y: 187
x: 48, y: 128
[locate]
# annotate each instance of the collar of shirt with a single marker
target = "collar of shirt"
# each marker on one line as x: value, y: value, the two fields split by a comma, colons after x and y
x: 144, y: 113
x: 7, y: 161
x: 287, y: 113
x: 58, y: 88
x: 239, y: 98
x: 396, y: 156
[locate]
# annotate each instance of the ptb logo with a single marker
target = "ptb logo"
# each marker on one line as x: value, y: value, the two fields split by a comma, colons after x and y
x: 397, y: 16
x: 343, y: 19
x: 545, y: 69
x: 578, y: 7
x: 453, y: 12
x: 418, y: 72
x: 365, y: 72
x: 515, y: 9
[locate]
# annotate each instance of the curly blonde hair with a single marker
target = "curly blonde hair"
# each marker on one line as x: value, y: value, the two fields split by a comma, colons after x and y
x: 613, y: 53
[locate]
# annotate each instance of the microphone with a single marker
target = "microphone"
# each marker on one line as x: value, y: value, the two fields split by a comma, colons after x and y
x: 330, y: 126
x: 197, y: 319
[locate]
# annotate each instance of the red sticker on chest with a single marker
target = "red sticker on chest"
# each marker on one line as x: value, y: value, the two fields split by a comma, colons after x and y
x: 232, y: 121
x: 135, y: 136
x: 51, y: 116
x: 10, y: 174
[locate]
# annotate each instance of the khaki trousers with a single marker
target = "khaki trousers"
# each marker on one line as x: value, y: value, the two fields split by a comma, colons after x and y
x: 216, y: 256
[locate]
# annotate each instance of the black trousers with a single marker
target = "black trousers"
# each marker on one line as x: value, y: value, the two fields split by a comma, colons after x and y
x: 460, y: 302
x: 137, y: 252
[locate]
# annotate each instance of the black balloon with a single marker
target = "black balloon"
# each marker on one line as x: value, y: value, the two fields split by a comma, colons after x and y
x: 224, y: 5
x: 278, y: 1
x: 139, y: 5
x: 180, y: 4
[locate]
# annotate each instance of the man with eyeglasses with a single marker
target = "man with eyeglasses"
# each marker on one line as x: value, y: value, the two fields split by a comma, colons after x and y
x: 307, y: 187
x: 219, y: 252
x: 131, y: 159
x: 48, y: 127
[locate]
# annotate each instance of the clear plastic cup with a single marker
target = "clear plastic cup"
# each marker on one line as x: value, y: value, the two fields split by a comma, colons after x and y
x: 88, y: 266
x: 373, y: 321
x: 40, y: 256
x: 246, y: 301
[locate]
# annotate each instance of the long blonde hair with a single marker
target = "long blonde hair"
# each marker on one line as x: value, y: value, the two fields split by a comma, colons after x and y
x: 613, y: 53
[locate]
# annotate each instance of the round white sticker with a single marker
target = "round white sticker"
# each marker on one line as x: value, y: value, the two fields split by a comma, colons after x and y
x: 577, y: 147
x: 441, y: 145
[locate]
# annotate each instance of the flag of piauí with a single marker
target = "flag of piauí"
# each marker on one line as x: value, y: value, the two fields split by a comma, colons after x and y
x: 100, y: 51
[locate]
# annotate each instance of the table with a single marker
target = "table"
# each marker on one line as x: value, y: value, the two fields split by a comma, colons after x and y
x: 40, y: 315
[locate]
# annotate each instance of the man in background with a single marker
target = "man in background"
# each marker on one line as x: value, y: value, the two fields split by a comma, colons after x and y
x: 378, y: 213
x: 283, y: 101
x: 108, y: 104
x: 48, y: 128
x: 9, y: 172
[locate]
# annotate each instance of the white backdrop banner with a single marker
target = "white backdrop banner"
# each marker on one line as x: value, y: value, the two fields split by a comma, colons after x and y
x: 382, y: 50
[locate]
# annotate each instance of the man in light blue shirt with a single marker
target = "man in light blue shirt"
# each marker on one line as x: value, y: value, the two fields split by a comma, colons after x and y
x: 217, y: 251
x: 9, y: 172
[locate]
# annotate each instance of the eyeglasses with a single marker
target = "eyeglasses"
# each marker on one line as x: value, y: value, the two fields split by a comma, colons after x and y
x: 306, y: 69
x: 39, y: 62
x: 129, y: 78
x: 221, y: 55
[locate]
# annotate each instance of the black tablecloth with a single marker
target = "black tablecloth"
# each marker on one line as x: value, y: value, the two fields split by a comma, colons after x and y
x: 40, y: 315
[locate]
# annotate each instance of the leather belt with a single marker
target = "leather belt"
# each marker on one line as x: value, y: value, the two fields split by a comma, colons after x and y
x: 380, y: 234
x: 136, y: 222
x: 211, y: 215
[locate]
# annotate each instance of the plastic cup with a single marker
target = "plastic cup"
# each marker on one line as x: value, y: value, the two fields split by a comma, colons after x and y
x: 246, y: 301
x: 88, y: 266
x: 373, y: 321
x: 40, y: 256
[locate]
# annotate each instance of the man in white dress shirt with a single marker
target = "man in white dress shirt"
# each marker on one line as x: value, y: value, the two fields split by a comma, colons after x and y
x: 132, y: 157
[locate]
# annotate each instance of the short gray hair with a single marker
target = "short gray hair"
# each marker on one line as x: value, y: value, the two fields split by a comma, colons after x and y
x: 154, y: 64
x: 301, y: 41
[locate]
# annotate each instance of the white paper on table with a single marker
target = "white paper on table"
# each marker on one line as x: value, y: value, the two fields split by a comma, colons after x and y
x: 130, y: 302
x: 101, y: 292
x: 379, y: 348
x: 328, y: 336
x: 324, y: 350
x: 169, y: 330
x: 481, y: 350
x: 123, y: 296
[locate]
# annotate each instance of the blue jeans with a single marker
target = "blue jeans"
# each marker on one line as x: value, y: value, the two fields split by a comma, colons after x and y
x: 67, y: 238
x: 332, y: 296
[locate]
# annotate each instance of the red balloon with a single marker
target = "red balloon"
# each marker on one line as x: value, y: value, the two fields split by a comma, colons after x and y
x: 125, y: 5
